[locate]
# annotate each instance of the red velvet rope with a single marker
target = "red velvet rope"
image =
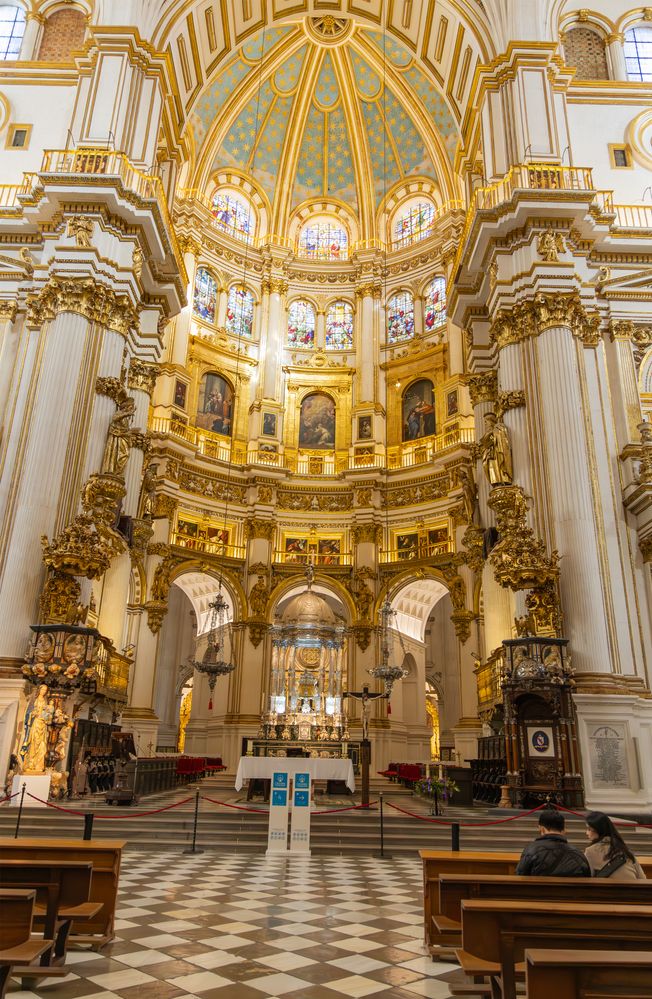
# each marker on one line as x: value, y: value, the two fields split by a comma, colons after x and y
x: 626, y: 823
x: 239, y: 808
x: 347, y: 808
x: 98, y: 815
x: 445, y: 822
x: 8, y: 797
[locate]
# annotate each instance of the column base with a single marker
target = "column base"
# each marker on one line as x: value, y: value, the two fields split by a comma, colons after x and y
x: 615, y: 738
x: 144, y: 725
x: 466, y: 734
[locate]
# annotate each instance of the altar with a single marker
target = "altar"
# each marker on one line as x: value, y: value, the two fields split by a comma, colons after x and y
x: 262, y: 767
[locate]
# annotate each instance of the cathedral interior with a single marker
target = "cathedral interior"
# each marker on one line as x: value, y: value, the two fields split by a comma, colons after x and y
x: 325, y: 343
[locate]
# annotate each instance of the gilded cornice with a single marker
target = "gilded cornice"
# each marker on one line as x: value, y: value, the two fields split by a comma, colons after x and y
x: 483, y: 387
x: 95, y: 302
x: 142, y: 375
x: 548, y: 310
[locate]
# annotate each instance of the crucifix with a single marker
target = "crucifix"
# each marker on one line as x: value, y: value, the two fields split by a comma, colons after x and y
x: 365, y: 696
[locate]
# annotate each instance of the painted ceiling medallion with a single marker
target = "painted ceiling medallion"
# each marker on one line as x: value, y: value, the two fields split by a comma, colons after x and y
x: 329, y: 29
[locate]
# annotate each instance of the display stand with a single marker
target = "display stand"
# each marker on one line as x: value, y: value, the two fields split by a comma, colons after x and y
x: 38, y: 785
x: 365, y: 761
x: 277, y: 836
x: 300, y: 824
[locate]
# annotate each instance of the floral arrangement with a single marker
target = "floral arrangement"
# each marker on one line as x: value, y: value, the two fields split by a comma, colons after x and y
x: 441, y: 789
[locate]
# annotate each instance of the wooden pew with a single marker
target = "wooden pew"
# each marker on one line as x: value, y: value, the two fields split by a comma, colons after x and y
x: 436, y: 862
x: 104, y: 855
x: 455, y: 888
x: 495, y: 935
x: 16, y: 945
x: 566, y: 974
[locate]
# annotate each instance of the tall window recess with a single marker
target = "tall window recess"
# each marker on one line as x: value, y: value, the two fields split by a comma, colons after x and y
x: 400, y: 317
x: 585, y: 49
x: 240, y: 311
x: 233, y: 214
x: 413, y: 222
x: 638, y: 53
x: 339, y: 326
x: 12, y: 29
x: 324, y: 239
x: 434, y: 304
x: 204, y: 300
x: 301, y: 325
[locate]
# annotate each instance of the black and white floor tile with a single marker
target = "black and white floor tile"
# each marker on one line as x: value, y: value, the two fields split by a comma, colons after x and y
x: 217, y: 926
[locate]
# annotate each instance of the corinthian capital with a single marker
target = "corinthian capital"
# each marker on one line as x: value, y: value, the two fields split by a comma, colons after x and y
x: 96, y: 302
x: 142, y: 375
x: 483, y: 387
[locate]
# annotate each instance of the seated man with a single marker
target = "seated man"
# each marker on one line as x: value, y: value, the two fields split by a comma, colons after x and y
x: 551, y: 855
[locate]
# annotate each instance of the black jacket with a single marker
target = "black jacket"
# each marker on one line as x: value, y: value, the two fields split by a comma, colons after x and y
x: 552, y: 856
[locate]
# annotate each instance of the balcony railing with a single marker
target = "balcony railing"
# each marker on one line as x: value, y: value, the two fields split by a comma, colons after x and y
x: 633, y: 217
x: 489, y: 678
x: 305, y: 558
x: 182, y: 540
x: 417, y: 552
x: 113, y: 675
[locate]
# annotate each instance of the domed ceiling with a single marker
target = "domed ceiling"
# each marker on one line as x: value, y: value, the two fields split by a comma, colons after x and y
x: 324, y: 109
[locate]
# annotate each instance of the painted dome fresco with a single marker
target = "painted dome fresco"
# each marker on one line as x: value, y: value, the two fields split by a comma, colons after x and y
x: 323, y: 109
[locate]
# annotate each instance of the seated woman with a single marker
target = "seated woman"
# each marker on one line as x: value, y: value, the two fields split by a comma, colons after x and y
x: 608, y: 855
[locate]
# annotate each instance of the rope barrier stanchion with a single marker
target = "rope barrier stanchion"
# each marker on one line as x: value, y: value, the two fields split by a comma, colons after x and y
x: 382, y: 854
x: 20, y: 810
x: 99, y: 815
x: 238, y: 808
x: 88, y: 825
x: 466, y: 825
x: 455, y: 837
x: 193, y: 848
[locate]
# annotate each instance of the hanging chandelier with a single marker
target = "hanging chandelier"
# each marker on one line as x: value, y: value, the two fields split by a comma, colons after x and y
x: 386, y: 671
x: 214, y: 662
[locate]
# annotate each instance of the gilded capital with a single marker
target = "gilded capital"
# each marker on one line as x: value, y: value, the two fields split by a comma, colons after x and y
x: 142, y: 375
x: 256, y: 528
x: 483, y: 387
x: 371, y: 533
x: 645, y: 544
x: 8, y: 310
x: 509, y: 400
x: 274, y: 286
x: 512, y: 325
x: 96, y: 302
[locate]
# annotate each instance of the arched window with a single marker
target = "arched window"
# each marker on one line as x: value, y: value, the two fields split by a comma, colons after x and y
x: 400, y: 317
x: 240, y: 311
x: 585, y: 49
x: 339, y: 326
x: 434, y: 304
x: 638, y: 53
x: 317, y: 421
x: 232, y: 213
x: 324, y: 239
x: 413, y: 222
x: 204, y: 301
x: 12, y: 29
x: 215, y: 408
x: 301, y: 325
x: 418, y: 410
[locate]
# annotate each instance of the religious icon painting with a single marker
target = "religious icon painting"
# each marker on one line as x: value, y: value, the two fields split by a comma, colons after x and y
x: 451, y: 403
x: 269, y: 424
x: 317, y: 422
x: 364, y: 428
x: 329, y: 551
x: 296, y: 549
x: 215, y: 410
x: 407, y: 545
x: 180, y: 394
x: 418, y: 410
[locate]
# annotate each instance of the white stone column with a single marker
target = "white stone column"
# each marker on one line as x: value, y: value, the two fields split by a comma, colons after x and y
x: 320, y: 329
x: 366, y: 344
x: 418, y: 315
x: 569, y: 484
x: 222, y: 302
x: 32, y: 37
x: 616, y: 54
x: 455, y: 348
x: 35, y: 478
x: 9, y: 339
x: 179, y: 347
x: 483, y: 388
x: 277, y: 291
x: 510, y: 379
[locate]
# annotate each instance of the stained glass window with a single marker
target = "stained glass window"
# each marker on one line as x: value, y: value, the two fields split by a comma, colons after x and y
x: 400, y: 317
x: 638, y: 53
x: 324, y: 239
x: 301, y: 325
x: 339, y: 326
x: 233, y: 215
x: 12, y: 29
x: 240, y: 311
x: 414, y: 222
x: 205, y: 295
x: 435, y: 304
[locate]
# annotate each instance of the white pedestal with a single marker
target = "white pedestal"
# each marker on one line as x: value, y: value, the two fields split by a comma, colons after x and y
x: 36, y: 784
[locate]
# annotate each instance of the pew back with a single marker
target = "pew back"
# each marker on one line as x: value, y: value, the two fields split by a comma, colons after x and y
x: 566, y: 974
x: 16, y: 913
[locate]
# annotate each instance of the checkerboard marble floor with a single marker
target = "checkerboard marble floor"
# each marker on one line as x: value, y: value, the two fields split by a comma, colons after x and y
x: 252, y: 927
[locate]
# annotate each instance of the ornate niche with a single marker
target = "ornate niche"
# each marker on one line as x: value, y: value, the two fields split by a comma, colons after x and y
x: 542, y: 753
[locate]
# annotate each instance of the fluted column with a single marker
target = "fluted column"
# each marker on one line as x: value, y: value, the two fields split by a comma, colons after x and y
x: 9, y: 339
x: 366, y: 343
x: 277, y: 292
x: 418, y: 315
x: 222, y: 303
x: 511, y: 399
x: 179, y: 347
x: 32, y: 37
x: 569, y: 481
x: 320, y: 329
x: 624, y: 382
x: 617, y: 56
x: 483, y: 389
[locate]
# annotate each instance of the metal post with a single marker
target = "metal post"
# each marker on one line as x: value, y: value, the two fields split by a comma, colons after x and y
x: 381, y: 816
x: 20, y: 810
x: 88, y: 825
x: 455, y: 837
x: 193, y: 848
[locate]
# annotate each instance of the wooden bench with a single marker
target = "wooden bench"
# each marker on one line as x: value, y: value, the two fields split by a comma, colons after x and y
x: 495, y: 935
x: 456, y: 888
x: 567, y: 974
x: 16, y: 944
x: 104, y: 855
x: 436, y: 862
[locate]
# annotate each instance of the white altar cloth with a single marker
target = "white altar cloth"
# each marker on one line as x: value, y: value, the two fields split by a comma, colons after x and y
x: 319, y: 769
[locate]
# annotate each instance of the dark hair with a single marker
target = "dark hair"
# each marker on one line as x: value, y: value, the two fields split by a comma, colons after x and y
x: 550, y: 819
x: 604, y: 827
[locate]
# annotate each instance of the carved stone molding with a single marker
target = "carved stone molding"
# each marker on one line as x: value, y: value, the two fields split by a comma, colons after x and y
x: 8, y: 310
x: 547, y: 310
x: 96, y: 302
x: 509, y: 400
x: 483, y: 387
x: 416, y: 492
x: 257, y: 631
x: 274, y: 286
x: 371, y: 289
x: 142, y: 375
x: 372, y: 533
x: 256, y: 528
x: 156, y: 611
x: 645, y: 544
x: 473, y: 541
x: 362, y: 634
x: 324, y: 501
x: 519, y: 559
x: 165, y: 506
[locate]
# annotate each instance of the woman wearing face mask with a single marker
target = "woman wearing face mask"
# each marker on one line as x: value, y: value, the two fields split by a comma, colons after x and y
x: 608, y: 855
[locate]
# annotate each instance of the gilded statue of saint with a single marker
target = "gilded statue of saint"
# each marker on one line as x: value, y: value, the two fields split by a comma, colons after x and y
x: 118, y: 441
x: 497, y: 452
x: 34, y: 746
x: 147, y: 500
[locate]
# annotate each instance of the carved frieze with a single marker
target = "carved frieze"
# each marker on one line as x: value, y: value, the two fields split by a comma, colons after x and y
x: 205, y: 485
x: 324, y: 501
x: 417, y: 492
